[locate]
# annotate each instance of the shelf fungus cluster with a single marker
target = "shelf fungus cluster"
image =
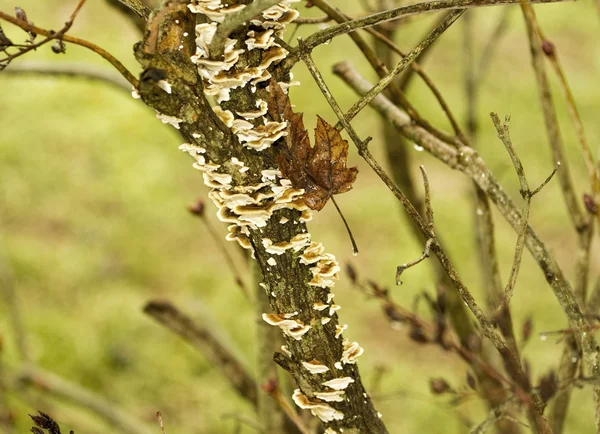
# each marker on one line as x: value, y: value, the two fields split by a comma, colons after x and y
x: 248, y: 207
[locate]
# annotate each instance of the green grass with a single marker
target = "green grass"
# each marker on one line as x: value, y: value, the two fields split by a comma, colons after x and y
x: 93, y: 224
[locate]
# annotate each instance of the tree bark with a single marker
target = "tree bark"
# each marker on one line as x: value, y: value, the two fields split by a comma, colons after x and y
x: 172, y: 85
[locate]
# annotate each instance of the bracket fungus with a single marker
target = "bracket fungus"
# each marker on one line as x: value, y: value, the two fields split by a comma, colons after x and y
x: 317, y: 407
x: 339, y: 383
x: 315, y: 367
x: 293, y: 328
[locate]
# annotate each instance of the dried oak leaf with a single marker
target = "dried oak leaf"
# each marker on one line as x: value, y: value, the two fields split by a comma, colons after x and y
x: 320, y: 169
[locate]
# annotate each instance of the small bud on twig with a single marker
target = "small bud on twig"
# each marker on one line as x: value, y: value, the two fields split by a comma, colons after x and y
x: 548, y: 48
x: 197, y: 208
x: 439, y: 386
x: 590, y: 204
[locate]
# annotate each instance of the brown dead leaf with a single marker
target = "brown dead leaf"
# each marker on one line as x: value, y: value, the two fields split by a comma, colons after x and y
x: 321, y: 169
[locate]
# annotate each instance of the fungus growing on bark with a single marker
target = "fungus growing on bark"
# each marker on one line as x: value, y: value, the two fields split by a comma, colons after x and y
x: 339, y: 329
x: 262, y: 110
x: 338, y: 383
x: 333, y: 308
x: 290, y: 327
x: 225, y: 115
x: 318, y: 408
x: 335, y: 396
x: 315, y: 367
x: 319, y: 305
x: 164, y: 85
x: 351, y: 352
x: 262, y: 40
x: 171, y: 120
x: 286, y: 351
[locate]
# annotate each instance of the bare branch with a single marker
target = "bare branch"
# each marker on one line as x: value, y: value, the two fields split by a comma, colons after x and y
x: 504, y: 136
x: 410, y: 264
x: 325, y: 35
x: 204, y: 339
x: 551, y: 120
x: 77, y: 70
x: 403, y: 64
x: 468, y: 162
x: 428, y: 207
x: 77, y: 41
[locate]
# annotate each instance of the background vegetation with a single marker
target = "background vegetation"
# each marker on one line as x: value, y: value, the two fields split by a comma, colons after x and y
x: 93, y: 224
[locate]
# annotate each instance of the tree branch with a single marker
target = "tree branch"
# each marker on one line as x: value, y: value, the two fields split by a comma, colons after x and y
x: 67, y: 38
x: 76, y: 70
x: 325, y: 35
x: 208, y: 343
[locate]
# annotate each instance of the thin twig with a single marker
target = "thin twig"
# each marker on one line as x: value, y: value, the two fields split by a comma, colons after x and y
x: 591, y: 352
x: 402, y: 65
x: 504, y: 136
x: 550, y: 51
x: 381, y: 68
x: 410, y: 264
x: 551, y: 120
x: 312, y: 20
x: 347, y: 226
x: 428, y: 207
x: 77, y: 70
x: 208, y: 342
x: 160, y: 422
x: 467, y: 161
x: 77, y: 41
x: 54, y: 35
x: 325, y: 35
x: 495, y: 415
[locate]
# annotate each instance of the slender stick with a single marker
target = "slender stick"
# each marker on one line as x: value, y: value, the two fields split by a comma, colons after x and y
x: 208, y: 342
x: 400, y: 269
x: 348, y: 230
x: 325, y: 35
x: 551, y: 121
x: 77, y: 41
x: 77, y: 70
x: 382, y: 70
x: 403, y: 64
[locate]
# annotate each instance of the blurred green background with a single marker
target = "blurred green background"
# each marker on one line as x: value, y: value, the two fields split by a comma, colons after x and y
x: 93, y: 224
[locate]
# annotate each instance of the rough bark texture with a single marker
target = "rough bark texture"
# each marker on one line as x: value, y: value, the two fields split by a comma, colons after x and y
x: 167, y: 47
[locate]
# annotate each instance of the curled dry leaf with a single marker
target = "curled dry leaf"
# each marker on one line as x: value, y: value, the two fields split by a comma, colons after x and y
x: 320, y: 169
